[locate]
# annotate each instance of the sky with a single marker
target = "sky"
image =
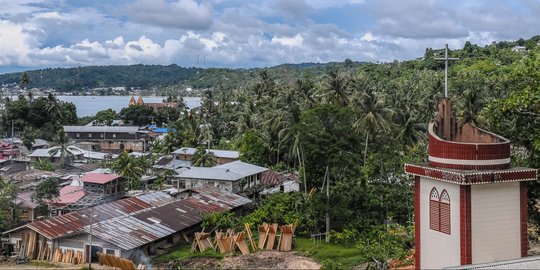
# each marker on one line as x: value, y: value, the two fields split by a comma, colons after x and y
x: 242, y: 34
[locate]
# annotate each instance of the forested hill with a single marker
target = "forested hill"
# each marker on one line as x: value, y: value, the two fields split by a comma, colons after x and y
x: 148, y: 76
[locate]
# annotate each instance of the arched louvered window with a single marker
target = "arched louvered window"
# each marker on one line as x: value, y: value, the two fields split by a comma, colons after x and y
x: 445, y: 212
x: 434, y: 206
x: 439, y: 211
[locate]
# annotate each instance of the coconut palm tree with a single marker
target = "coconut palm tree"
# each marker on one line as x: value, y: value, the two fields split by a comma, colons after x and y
x: 203, y: 158
x: 373, y: 117
x: 336, y: 88
x: 126, y: 166
x: 62, y: 145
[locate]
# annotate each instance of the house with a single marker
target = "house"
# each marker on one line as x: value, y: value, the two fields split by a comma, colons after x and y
x: 155, y: 106
x: 131, y: 228
x: 9, y: 150
x: 110, y: 138
x: 222, y: 156
x: 532, y: 262
x: 46, y: 153
x: 234, y: 176
x: 520, y: 49
x: 102, y: 183
x: 273, y: 182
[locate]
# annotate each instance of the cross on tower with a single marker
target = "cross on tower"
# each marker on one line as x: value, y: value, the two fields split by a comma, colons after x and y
x: 446, y: 68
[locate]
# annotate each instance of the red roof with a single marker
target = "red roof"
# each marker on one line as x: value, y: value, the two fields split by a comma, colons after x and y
x: 99, y: 178
x: 70, y: 194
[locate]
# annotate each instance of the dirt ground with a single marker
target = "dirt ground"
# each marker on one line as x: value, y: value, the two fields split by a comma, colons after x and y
x: 258, y: 260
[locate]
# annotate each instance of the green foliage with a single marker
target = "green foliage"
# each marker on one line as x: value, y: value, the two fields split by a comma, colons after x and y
x: 382, y: 243
x: 182, y: 252
x: 330, y: 255
x: 37, y: 117
x: 43, y: 164
x: 8, y: 192
x: 281, y: 208
x: 137, y: 115
x: 126, y: 166
x: 221, y: 221
x: 203, y: 158
x: 105, y: 117
x: 46, y: 190
x: 252, y: 149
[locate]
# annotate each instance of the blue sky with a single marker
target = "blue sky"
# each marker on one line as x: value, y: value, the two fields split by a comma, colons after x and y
x: 237, y: 33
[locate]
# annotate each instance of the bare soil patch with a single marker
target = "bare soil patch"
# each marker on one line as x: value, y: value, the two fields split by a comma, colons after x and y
x: 258, y: 260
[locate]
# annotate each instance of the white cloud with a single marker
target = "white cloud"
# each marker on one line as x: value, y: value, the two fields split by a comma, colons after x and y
x: 288, y: 41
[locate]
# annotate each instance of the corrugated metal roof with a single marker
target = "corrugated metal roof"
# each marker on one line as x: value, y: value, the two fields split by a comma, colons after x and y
x: 242, y: 168
x: 99, y: 178
x: 221, y: 196
x: 154, y: 223
x: 47, y: 152
x: 100, y: 129
x: 208, y: 173
x: 532, y: 262
x: 218, y: 153
x: 59, y: 226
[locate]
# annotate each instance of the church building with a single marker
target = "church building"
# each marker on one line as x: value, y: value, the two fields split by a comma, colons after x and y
x: 470, y: 203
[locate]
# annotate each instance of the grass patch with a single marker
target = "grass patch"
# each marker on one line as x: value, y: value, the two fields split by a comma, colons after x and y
x: 43, y: 264
x: 181, y: 252
x: 330, y: 255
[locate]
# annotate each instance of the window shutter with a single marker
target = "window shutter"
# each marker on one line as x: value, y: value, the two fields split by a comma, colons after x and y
x: 434, y: 212
x: 445, y: 212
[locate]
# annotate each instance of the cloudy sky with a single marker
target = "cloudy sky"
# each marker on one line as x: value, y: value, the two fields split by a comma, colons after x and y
x: 242, y: 33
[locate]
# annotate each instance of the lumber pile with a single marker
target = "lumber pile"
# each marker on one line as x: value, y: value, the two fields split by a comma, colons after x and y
x: 239, y: 240
x: 117, y: 262
x: 286, y: 237
x: 263, y: 233
x: 68, y: 256
x: 202, y: 241
x: 271, y: 236
x: 29, y: 245
x: 229, y: 241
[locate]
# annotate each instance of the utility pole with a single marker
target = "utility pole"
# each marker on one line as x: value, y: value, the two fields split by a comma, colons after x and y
x: 446, y: 68
x: 327, y: 180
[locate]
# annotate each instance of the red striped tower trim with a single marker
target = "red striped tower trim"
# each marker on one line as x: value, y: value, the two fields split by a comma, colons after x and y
x: 523, y: 218
x: 417, y: 247
x: 465, y: 225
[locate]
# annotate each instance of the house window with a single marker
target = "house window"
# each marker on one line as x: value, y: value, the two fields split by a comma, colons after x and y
x: 78, y: 135
x: 114, y: 135
x: 89, y: 135
x: 439, y: 211
x: 110, y: 252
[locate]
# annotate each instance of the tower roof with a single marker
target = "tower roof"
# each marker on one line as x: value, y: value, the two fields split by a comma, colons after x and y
x: 140, y: 101
x: 132, y: 101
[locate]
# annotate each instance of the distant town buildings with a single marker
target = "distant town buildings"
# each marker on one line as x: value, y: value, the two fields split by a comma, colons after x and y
x: 155, y: 106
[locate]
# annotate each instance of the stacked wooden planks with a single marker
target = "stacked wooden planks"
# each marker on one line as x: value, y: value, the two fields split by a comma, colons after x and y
x: 239, y: 240
x: 263, y: 233
x: 286, y: 237
x: 68, y: 256
x: 271, y: 238
x: 202, y: 241
x: 117, y: 262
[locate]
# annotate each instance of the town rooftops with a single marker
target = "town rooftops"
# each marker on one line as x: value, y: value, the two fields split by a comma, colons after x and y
x: 74, y: 222
x: 231, y: 171
x: 42, y: 153
x: 70, y: 194
x: 133, y: 222
x: 102, y: 129
x: 99, y: 178
x: 218, y: 153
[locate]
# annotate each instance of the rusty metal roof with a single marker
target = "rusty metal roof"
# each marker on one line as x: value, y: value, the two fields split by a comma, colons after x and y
x: 70, y: 223
x: 220, y: 196
x: 155, y: 223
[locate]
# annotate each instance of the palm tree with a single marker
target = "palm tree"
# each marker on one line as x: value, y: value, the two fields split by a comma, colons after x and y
x: 336, y: 88
x: 25, y: 80
x: 203, y: 158
x: 373, y: 116
x: 125, y: 166
x: 469, y: 106
x: 62, y: 144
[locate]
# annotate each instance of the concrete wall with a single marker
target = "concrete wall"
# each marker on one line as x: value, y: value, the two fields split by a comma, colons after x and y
x: 439, y: 249
x: 495, y: 222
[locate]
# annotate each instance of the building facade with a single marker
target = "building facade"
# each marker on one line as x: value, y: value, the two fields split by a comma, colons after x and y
x: 470, y: 204
x: 113, y: 139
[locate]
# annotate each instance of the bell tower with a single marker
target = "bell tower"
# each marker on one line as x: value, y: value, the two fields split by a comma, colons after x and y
x: 470, y: 203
